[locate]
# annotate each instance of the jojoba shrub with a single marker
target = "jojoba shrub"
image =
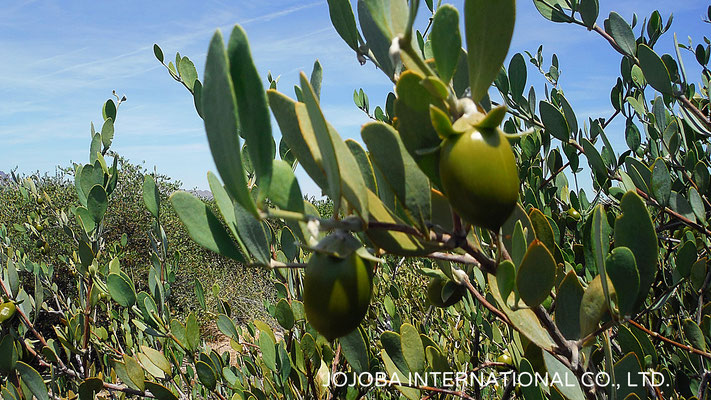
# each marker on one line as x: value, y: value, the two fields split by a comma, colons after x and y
x: 600, y: 293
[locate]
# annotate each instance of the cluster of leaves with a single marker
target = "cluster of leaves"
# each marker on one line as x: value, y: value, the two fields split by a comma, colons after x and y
x: 580, y: 283
x: 32, y: 224
x: 93, y: 313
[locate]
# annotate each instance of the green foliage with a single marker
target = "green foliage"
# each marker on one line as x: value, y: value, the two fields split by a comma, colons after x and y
x: 559, y: 281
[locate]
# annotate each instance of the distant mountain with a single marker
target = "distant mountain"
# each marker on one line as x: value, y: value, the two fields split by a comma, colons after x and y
x: 205, y: 194
x: 4, y: 177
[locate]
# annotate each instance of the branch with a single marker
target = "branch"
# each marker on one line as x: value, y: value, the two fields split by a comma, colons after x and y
x: 694, y: 110
x: 657, y: 336
x: 553, y: 175
x: 334, y: 368
x: 612, y: 42
x: 563, y: 344
x: 465, y: 259
x: 486, y: 264
x: 485, y: 303
x: 674, y: 214
x: 704, y: 384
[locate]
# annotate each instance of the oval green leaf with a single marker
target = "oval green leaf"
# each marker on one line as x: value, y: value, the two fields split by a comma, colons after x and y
x: 203, y: 226
x: 536, y: 275
x: 489, y: 27
x: 254, y: 120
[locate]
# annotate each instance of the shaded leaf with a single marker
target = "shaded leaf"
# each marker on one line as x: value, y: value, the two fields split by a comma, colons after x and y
x: 694, y: 335
x: 518, y: 76
x: 567, y: 310
x: 227, y: 326
x: 284, y: 190
x: 554, y: 121
x: 355, y: 350
x: 589, y: 11
x: 160, y: 391
x: 364, y: 164
x: 661, y: 182
x: 563, y: 378
x: 107, y: 130
x: 630, y: 382
x: 121, y: 289
x: 412, y: 348
x: 506, y: 278
x: 312, y: 121
x: 543, y: 229
x: 317, y: 78
x: 206, y: 374
x: 377, y: 41
x: 284, y: 315
x: 89, y: 388
x: 553, y: 10
x: 158, y: 52
x: 97, y: 203
x: 253, y: 235
x: 529, y: 392
x: 268, y: 348
x: 304, y: 148
x: 635, y: 230
x: 536, y: 275
x: 33, y: 380
x: 622, y: 271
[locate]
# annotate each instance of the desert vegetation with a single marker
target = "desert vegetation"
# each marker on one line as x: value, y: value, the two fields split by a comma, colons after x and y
x: 451, y: 256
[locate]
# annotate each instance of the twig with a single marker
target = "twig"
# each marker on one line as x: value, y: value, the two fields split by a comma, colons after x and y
x: 508, y: 390
x: 87, y: 326
x: 486, y: 264
x: 553, y: 175
x: 564, y: 346
x: 465, y: 259
x: 612, y: 42
x: 704, y: 384
x: 693, y: 109
x: 664, y: 339
x: 334, y: 368
x: 674, y: 214
x: 485, y: 303
x: 701, y: 291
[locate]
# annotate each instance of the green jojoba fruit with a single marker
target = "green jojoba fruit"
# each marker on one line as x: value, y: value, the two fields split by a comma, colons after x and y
x: 479, y: 176
x: 7, y: 310
x: 434, y: 292
x: 337, y: 293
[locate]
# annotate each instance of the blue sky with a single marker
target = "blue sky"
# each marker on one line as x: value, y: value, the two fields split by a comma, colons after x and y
x: 61, y: 60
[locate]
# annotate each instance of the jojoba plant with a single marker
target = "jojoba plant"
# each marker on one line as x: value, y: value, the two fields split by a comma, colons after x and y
x: 455, y: 242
